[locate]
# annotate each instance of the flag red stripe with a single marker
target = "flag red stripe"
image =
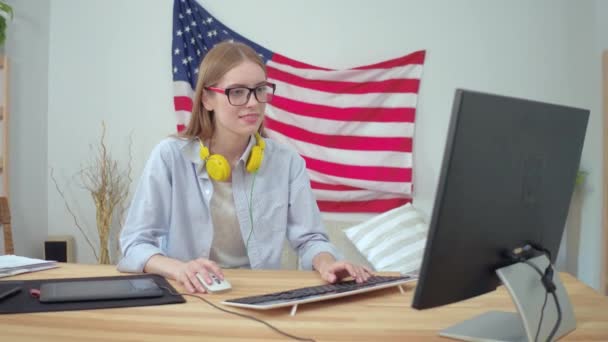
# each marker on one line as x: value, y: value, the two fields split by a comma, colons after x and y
x: 182, y: 103
x: 387, y: 86
x: 335, y: 187
x: 371, y: 173
x: 372, y: 206
x: 413, y: 58
x: 344, y: 114
x: 344, y: 142
x: 288, y: 61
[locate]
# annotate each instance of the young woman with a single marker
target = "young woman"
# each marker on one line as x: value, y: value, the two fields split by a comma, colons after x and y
x: 219, y: 195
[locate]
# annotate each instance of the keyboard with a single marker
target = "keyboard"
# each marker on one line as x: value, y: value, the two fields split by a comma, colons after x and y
x: 317, y: 293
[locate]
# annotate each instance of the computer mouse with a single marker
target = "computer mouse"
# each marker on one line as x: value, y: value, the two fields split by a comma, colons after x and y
x: 217, y: 284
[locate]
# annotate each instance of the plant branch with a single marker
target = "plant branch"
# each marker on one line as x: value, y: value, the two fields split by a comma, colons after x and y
x: 73, y: 215
x: 108, y: 187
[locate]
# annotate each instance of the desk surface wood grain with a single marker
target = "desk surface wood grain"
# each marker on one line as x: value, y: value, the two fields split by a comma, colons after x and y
x: 383, y: 315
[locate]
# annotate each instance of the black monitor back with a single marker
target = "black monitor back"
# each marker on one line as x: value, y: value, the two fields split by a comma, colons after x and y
x: 507, y: 177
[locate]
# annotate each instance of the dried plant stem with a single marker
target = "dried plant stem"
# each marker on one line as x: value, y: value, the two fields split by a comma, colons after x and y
x: 67, y: 206
x: 109, y: 189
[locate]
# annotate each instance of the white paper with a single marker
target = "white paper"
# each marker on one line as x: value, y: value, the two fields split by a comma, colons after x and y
x: 14, y: 264
x: 10, y: 261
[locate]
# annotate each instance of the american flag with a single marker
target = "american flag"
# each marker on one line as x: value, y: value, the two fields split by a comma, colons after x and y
x: 353, y: 127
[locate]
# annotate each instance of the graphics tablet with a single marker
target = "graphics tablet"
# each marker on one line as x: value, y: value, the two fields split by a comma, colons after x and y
x: 85, y: 290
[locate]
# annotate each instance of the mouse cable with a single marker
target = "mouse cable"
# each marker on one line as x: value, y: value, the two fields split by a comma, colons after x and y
x: 559, y: 310
x: 241, y: 315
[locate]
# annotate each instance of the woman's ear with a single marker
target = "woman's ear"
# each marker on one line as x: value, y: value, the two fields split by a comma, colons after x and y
x: 206, y: 101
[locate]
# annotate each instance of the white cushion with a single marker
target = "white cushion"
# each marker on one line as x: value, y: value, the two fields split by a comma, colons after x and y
x: 392, y: 241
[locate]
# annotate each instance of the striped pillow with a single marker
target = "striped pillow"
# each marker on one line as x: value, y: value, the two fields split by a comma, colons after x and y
x: 392, y: 241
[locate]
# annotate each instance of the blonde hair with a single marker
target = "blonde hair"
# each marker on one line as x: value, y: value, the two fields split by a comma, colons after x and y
x: 217, y: 62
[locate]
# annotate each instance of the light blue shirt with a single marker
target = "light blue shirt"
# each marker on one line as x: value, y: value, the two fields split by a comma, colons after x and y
x: 170, y: 214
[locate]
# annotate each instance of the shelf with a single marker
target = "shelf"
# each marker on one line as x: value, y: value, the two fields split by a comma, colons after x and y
x: 4, y: 131
x: 5, y: 218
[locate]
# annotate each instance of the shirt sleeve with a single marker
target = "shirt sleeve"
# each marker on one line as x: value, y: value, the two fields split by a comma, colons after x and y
x: 305, y: 230
x: 148, y: 218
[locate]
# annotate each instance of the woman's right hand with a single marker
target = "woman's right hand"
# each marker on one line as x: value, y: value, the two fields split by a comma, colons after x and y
x: 186, y: 274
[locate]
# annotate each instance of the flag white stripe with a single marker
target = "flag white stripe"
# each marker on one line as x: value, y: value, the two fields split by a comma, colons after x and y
x: 183, y: 117
x: 346, y: 157
x: 182, y: 88
x: 337, y: 127
x: 400, y: 188
x: 352, y: 195
x: 375, y: 100
x: 410, y: 71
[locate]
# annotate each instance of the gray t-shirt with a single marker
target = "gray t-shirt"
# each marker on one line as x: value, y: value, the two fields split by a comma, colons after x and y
x: 227, y: 249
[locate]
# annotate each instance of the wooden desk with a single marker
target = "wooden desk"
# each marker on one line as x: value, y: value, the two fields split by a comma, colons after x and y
x: 378, y: 316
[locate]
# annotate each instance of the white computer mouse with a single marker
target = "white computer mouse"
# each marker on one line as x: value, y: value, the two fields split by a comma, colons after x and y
x: 217, y: 284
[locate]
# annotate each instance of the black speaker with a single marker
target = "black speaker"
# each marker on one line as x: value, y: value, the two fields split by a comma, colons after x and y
x: 59, y: 248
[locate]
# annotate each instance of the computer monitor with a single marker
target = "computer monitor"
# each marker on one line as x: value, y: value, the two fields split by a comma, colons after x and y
x: 507, y: 177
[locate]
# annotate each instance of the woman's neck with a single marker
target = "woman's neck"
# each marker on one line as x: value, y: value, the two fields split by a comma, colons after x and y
x: 230, y: 146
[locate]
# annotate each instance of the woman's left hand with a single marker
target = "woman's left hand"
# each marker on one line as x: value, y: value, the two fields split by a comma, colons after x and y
x: 336, y: 270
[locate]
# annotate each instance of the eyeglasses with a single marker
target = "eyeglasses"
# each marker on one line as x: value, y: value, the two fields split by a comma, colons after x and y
x: 239, y: 96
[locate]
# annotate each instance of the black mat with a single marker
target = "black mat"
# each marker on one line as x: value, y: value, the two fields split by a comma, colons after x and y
x: 24, y: 302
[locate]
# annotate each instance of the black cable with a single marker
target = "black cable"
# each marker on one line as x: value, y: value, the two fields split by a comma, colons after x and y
x: 542, y: 314
x: 241, y: 315
x: 547, y: 280
x: 542, y: 311
x: 559, y: 318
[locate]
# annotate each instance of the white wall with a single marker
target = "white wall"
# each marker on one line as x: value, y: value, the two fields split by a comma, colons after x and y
x: 109, y: 60
x: 601, y: 43
x: 27, y: 46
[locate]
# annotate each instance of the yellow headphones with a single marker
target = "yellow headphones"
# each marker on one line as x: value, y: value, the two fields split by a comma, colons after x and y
x: 218, y: 167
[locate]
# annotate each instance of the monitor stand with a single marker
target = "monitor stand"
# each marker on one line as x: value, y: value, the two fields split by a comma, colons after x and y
x: 528, y: 294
